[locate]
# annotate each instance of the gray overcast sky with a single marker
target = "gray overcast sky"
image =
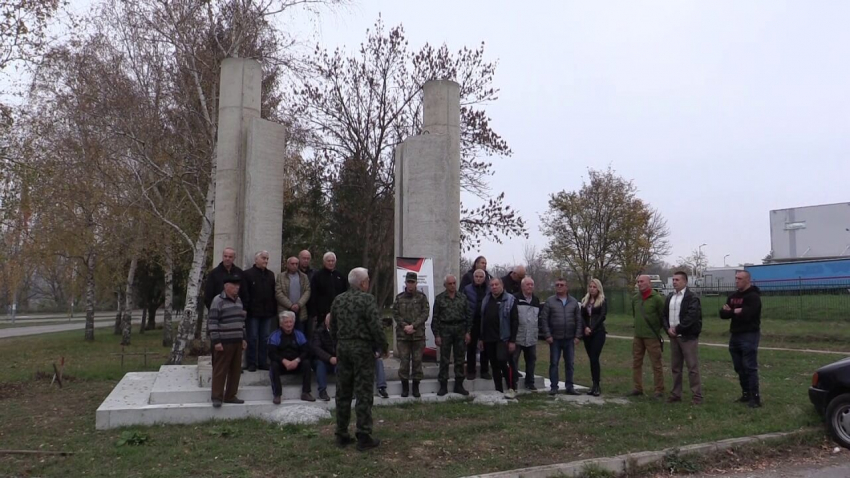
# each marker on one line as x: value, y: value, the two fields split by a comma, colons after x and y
x: 719, y: 111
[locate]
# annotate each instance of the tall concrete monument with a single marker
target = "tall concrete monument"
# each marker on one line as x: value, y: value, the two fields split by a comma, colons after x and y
x: 427, y: 184
x: 250, y: 169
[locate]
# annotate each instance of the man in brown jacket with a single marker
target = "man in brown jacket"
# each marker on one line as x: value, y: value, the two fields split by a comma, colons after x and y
x: 292, y: 292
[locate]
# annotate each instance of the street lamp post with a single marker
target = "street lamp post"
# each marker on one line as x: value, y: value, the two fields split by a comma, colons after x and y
x: 724, y: 260
x: 700, y: 272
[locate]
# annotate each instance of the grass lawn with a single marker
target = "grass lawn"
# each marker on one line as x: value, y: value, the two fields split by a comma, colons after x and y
x: 446, y: 439
x: 816, y: 334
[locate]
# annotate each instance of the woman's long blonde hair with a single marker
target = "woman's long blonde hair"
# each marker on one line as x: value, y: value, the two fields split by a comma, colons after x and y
x: 599, y: 299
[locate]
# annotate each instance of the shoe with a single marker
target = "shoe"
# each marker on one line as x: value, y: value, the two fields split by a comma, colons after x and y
x: 307, y: 397
x: 487, y: 376
x: 405, y: 388
x: 459, y: 388
x: 553, y: 391
x: 216, y: 403
x: 510, y: 394
x: 366, y: 443
x: 571, y: 391
x: 416, y: 393
x: 597, y: 391
x: 323, y: 395
x: 657, y: 396
x: 531, y: 386
x: 755, y: 401
x: 745, y: 397
x: 343, y: 442
x: 263, y: 367
x: 470, y: 376
x: 672, y: 399
x: 444, y: 389
x: 383, y: 392
x: 252, y: 368
x: 635, y: 393
x: 235, y: 401
x: 276, y: 400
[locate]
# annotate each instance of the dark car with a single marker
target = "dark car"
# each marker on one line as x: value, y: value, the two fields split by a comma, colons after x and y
x: 830, y: 394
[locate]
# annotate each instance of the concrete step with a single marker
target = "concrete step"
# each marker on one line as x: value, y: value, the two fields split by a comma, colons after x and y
x: 161, y: 395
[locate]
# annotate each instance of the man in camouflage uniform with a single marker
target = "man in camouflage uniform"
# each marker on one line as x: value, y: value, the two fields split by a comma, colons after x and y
x: 450, y: 324
x: 410, y: 312
x: 356, y: 329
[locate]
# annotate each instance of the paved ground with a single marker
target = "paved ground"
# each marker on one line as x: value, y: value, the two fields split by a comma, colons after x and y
x: 60, y: 327
x: 836, y: 465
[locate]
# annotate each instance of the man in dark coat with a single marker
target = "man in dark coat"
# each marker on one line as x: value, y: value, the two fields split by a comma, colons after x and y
x: 216, y: 278
x: 682, y: 320
x: 326, y: 284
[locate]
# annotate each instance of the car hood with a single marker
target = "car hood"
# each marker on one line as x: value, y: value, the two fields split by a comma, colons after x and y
x: 835, y: 366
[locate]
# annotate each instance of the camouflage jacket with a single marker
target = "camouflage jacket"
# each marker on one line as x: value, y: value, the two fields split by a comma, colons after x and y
x: 411, y: 309
x: 451, y: 312
x: 354, y: 316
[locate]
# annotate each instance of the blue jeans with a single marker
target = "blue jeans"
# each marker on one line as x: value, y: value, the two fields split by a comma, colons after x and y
x: 567, y: 348
x: 380, y: 376
x: 744, y: 350
x: 258, y: 338
x: 322, y: 371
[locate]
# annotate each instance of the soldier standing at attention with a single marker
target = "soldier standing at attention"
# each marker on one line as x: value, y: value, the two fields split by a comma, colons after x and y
x: 356, y: 329
x: 410, y: 312
x: 451, y: 324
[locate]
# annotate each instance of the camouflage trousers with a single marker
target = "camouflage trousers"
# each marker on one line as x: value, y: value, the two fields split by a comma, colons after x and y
x: 452, y: 345
x: 410, y: 354
x: 355, y: 379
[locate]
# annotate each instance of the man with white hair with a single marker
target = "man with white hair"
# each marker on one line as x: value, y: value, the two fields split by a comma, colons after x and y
x: 326, y: 284
x: 259, y: 283
x: 528, y: 310
x: 356, y: 329
x: 288, y: 354
x: 512, y: 281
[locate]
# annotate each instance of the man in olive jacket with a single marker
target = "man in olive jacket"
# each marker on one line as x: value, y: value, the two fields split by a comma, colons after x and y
x: 410, y: 312
x: 292, y: 292
x: 648, y: 311
x: 683, y: 323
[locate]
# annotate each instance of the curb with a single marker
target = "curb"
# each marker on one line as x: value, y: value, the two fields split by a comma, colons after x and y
x: 632, y: 462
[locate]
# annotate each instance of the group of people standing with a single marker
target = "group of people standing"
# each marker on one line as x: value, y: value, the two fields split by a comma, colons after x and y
x: 328, y: 323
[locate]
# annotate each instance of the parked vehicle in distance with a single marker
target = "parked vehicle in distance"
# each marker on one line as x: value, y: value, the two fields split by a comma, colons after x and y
x: 830, y: 394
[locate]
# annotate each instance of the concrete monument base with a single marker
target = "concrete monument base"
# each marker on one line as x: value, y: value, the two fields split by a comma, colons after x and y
x: 175, y: 395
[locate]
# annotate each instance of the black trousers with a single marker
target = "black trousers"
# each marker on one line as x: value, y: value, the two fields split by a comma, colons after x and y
x: 501, y: 368
x: 593, y: 346
x: 472, y: 349
x: 276, y: 369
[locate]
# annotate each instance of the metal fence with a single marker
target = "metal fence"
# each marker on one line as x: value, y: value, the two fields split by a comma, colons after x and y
x: 797, y: 299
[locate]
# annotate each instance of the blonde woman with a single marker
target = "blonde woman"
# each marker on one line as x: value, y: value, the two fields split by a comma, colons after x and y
x: 593, y: 312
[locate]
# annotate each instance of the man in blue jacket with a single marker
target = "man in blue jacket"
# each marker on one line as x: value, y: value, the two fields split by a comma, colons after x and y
x: 288, y: 354
x: 560, y: 322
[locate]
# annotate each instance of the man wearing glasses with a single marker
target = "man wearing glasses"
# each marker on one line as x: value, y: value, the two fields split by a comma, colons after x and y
x: 560, y: 321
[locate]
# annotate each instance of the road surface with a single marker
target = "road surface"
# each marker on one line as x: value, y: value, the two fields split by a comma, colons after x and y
x: 836, y: 465
x: 61, y: 327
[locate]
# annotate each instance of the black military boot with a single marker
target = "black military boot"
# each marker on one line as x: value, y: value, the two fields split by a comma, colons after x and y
x: 444, y: 388
x: 405, y: 388
x: 459, y: 387
x: 416, y: 389
x: 755, y: 401
x: 366, y: 442
x: 745, y: 397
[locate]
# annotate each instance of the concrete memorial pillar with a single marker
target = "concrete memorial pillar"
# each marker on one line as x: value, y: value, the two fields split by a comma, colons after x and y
x: 250, y: 169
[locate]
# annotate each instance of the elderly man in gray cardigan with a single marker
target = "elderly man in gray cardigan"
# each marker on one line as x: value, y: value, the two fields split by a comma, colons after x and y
x: 560, y: 323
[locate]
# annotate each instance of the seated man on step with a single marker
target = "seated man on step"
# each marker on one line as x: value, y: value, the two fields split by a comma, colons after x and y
x: 288, y: 354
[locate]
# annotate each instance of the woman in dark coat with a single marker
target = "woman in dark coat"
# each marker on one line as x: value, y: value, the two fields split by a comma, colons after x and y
x: 593, y: 312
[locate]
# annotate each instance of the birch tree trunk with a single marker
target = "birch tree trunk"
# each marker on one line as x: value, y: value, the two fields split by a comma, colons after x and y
x: 144, y: 320
x: 187, y: 323
x: 120, y: 314
x: 169, y: 298
x: 90, y: 266
x: 126, y: 319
